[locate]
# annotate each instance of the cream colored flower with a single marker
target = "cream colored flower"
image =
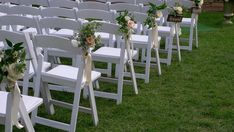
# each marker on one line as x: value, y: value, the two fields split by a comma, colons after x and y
x: 131, y: 24
x: 178, y: 10
x: 159, y: 14
x: 74, y: 43
x: 13, y: 74
x: 90, y: 40
x: 127, y: 18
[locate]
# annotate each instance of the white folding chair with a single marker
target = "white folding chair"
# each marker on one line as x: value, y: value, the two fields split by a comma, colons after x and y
x: 191, y: 23
x: 64, y: 3
x: 93, y: 5
x: 27, y: 103
x: 117, y: 56
x: 65, y: 76
x: 145, y: 42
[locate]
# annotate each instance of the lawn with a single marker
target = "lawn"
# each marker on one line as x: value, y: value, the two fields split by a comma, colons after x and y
x: 194, y: 95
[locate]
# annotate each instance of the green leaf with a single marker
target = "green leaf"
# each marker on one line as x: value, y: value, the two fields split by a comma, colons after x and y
x: 16, y: 46
x: 9, y: 43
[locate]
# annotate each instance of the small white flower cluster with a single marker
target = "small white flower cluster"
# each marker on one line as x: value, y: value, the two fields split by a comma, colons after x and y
x: 158, y: 14
x: 13, y: 73
x: 75, y: 43
x: 201, y: 3
x: 178, y: 10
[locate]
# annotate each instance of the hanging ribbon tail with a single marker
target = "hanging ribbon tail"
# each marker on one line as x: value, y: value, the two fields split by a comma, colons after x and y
x: 128, y: 49
x: 155, y: 37
x: 88, y: 69
x: 15, y: 106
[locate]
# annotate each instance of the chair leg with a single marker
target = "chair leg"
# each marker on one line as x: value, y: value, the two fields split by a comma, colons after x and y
x: 147, y: 67
x: 178, y: 41
x: 120, y: 83
x: 142, y: 55
x: 25, y: 117
x: 158, y: 61
x: 75, y: 110
x: 191, y: 38
x: 93, y: 104
x: 133, y: 76
x: 109, y: 69
x: 196, y: 37
x: 47, y: 97
x: 169, y: 54
x: 85, y: 93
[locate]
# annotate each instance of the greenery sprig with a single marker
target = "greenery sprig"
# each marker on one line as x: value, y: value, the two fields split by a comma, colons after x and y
x: 12, y: 62
x: 126, y: 21
x: 86, y: 37
x: 153, y: 13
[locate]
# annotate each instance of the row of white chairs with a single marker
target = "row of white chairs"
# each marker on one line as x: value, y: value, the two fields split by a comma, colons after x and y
x: 69, y: 76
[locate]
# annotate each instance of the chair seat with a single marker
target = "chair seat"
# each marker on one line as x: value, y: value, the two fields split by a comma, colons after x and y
x: 141, y: 41
x: 30, y: 102
x: 45, y: 67
x: 165, y: 31
x: 108, y: 54
x: 30, y: 30
x: 64, y: 32
x: 104, y: 36
x: 186, y: 22
x: 67, y: 73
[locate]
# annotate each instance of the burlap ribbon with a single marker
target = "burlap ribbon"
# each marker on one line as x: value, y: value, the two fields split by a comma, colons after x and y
x: 87, y: 69
x: 16, y: 97
x: 155, y: 37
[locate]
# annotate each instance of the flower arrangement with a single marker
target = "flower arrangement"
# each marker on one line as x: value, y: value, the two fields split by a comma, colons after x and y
x: 126, y: 21
x: 12, y: 64
x: 176, y: 14
x: 86, y: 37
x: 154, y: 12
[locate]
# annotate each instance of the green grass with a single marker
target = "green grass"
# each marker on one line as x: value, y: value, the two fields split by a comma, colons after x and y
x: 194, y: 95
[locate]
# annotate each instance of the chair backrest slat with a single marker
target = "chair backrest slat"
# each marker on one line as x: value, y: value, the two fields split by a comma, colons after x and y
x: 57, y: 42
x: 125, y: 6
x: 64, y: 3
x: 25, y: 10
x: 59, y: 12
x: 35, y: 2
x: 61, y: 23
x: 93, y: 5
x: 96, y: 14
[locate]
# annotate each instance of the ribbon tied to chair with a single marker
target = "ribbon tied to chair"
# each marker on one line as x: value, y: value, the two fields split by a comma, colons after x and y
x: 16, y: 97
x: 155, y: 36
x: 88, y: 68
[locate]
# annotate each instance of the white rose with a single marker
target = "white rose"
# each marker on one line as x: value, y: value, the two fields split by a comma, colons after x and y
x: 74, y: 43
x: 127, y: 18
x: 13, y: 74
x: 178, y: 10
x: 159, y: 14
